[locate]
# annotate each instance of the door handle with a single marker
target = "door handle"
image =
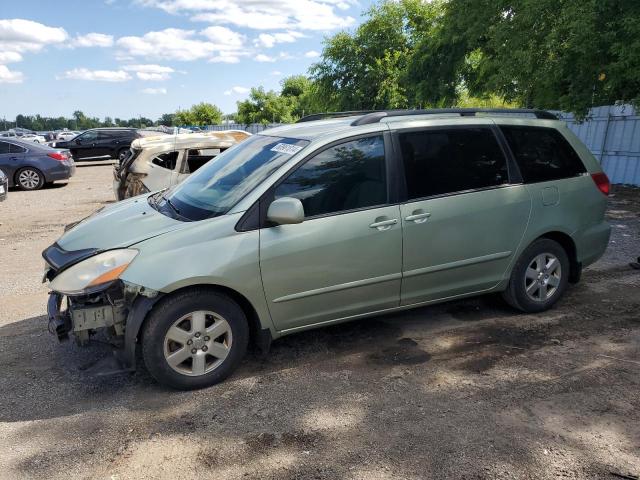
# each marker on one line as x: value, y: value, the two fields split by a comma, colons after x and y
x: 418, y: 217
x: 384, y: 224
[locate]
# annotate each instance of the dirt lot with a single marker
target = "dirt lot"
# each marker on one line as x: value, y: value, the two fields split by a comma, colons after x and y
x: 464, y: 390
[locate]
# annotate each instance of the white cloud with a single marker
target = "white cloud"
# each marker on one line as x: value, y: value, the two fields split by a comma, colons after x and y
x: 154, y: 91
x: 9, y: 76
x: 19, y: 35
x: 93, y: 40
x: 263, y: 14
x: 276, y: 73
x: 9, y: 57
x: 239, y: 90
x: 168, y: 44
x: 261, y: 57
x: 268, y: 40
x: 95, y: 75
x: 312, y: 54
x: 224, y: 58
x: 150, y: 72
x: 224, y: 38
x: 215, y: 43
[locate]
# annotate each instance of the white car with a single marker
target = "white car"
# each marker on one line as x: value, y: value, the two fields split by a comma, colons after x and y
x: 32, y: 137
x: 154, y: 163
x: 67, y: 135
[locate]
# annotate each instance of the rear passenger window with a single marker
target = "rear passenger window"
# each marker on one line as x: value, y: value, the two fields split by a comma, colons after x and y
x: 348, y: 176
x: 441, y: 161
x: 4, y: 147
x: 16, y: 148
x: 166, y: 160
x: 542, y: 154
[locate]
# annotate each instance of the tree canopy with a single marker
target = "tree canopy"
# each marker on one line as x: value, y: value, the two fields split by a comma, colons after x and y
x: 554, y: 54
x: 200, y: 114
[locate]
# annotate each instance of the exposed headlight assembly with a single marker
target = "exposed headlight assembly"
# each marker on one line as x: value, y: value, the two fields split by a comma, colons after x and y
x: 94, y: 273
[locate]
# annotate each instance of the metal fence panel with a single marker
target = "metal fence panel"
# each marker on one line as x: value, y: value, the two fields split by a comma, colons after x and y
x: 612, y: 133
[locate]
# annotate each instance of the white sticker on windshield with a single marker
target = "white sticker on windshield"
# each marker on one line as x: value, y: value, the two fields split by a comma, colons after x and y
x: 286, y: 148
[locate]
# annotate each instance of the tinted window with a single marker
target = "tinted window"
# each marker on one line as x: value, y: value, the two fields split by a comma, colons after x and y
x: 16, y: 148
x: 166, y: 160
x: 345, y: 177
x: 542, y: 153
x: 440, y: 161
x: 106, y: 135
x: 89, y: 136
x: 4, y: 147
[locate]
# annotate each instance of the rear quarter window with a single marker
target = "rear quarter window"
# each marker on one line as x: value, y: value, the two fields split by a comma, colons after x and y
x: 543, y: 154
x: 16, y: 148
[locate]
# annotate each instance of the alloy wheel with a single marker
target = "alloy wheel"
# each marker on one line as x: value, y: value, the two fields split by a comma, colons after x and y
x: 29, y: 179
x: 197, y: 343
x: 542, y: 277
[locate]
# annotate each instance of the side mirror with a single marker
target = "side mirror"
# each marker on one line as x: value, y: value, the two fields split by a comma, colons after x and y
x: 286, y: 211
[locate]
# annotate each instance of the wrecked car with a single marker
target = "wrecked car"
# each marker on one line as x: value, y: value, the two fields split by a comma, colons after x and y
x: 328, y: 221
x: 156, y: 163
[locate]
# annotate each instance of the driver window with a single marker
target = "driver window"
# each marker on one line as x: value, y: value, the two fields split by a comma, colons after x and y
x: 88, y: 136
x: 348, y: 176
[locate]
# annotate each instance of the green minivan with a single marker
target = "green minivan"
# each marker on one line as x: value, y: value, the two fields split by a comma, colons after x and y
x: 328, y: 220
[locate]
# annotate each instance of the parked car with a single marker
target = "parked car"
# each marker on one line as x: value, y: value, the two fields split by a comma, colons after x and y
x: 103, y: 143
x: 33, y: 137
x: 67, y: 135
x: 321, y: 222
x: 4, y: 186
x: 156, y: 163
x: 30, y: 166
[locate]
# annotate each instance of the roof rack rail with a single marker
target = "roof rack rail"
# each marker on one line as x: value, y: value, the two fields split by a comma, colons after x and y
x: 323, y: 116
x: 376, y: 116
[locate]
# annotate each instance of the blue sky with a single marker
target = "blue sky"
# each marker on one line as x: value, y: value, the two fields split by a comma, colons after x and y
x: 124, y: 58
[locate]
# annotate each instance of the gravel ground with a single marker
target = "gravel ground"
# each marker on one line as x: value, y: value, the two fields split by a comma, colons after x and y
x: 465, y: 390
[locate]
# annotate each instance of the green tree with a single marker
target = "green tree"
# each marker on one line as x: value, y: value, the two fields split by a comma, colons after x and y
x: 265, y: 107
x: 200, y: 114
x: 303, y: 96
x: 167, y: 119
x: 554, y: 54
x: 366, y: 69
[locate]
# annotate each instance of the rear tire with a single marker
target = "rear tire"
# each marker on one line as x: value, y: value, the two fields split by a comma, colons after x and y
x: 539, y: 277
x: 194, y: 339
x: 29, y: 178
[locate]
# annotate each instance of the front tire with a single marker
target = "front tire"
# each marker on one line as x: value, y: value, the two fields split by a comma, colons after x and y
x: 539, y: 277
x: 194, y: 339
x: 29, y: 178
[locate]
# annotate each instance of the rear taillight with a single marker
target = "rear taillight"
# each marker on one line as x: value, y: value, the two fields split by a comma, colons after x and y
x: 58, y: 156
x: 602, y: 182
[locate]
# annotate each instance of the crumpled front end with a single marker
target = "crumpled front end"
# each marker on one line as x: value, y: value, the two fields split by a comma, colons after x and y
x: 110, y: 310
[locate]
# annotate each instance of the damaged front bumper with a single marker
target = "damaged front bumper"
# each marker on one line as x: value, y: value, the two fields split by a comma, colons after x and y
x: 116, y: 312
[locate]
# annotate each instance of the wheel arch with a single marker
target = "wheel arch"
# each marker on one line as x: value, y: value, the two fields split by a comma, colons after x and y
x: 259, y: 336
x: 569, y: 246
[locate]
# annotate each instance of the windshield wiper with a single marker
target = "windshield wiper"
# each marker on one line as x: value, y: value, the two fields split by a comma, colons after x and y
x: 173, y: 207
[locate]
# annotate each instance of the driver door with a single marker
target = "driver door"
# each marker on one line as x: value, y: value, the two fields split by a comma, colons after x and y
x: 345, y: 258
x: 83, y: 146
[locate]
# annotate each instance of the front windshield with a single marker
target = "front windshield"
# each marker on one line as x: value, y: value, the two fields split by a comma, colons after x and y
x: 223, y: 181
